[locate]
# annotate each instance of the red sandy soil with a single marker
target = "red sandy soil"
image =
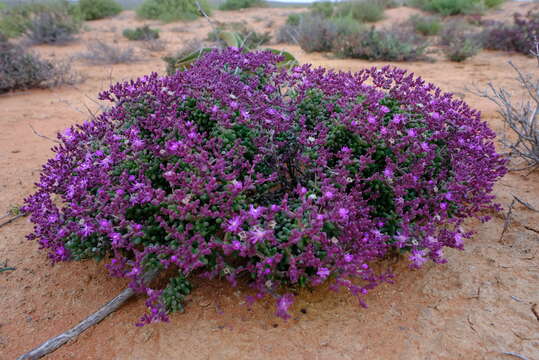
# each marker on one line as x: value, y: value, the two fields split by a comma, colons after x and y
x: 477, y: 306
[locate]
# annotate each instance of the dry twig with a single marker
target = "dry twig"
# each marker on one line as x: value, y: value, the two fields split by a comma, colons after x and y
x: 8, y: 221
x: 507, y: 221
x: 52, y: 344
x: 42, y: 136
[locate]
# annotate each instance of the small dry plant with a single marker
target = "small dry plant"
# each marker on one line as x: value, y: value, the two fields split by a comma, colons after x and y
x: 522, y: 119
x: 99, y: 53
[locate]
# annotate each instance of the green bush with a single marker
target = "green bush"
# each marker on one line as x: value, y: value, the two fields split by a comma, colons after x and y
x: 293, y: 19
x: 426, y: 25
x: 323, y: 9
x: 98, y: 9
x: 455, y: 7
x: 362, y: 10
x: 141, y: 33
x: 388, y: 45
x: 14, y: 20
x: 171, y: 10
x: 241, y: 4
x: 345, y: 26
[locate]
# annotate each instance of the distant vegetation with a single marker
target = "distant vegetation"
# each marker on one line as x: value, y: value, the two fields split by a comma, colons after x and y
x: 171, y: 10
x: 455, y: 7
x: 386, y: 44
x: 520, y: 36
x: 101, y: 53
x: 141, y: 33
x: 98, y: 9
x: 52, y: 21
x: 20, y: 69
x: 426, y: 25
x: 241, y: 4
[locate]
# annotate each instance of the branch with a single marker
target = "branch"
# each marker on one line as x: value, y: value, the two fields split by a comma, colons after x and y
x: 201, y: 10
x: 8, y: 221
x: 52, y: 344
x: 42, y: 136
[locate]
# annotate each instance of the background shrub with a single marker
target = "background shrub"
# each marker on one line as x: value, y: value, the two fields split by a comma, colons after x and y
x: 241, y: 4
x: 100, y: 53
x: 324, y: 9
x: 459, y: 49
x: 141, y: 33
x: 171, y: 10
x: 316, y: 33
x: 98, y: 9
x: 52, y: 26
x: 15, y: 20
x: 293, y: 19
x: 426, y: 25
x: 345, y: 26
x: 395, y: 44
x: 518, y: 37
x: 455, y: 7
x: 287, y: 34
x: 459, y: 29
x: 361, y: 10
x: 20, y: 69
x: 314, y: 174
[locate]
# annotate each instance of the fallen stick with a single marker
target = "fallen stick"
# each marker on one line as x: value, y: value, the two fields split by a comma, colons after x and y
x: 52, y: 344
x: 12, y: 219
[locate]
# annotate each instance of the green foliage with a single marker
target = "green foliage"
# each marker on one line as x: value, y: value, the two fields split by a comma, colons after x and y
x: 241, y: 4
x: 293, y: 19
x: 455, y: 7
x: 345, y: 26
x: 388, y: 45
x: 426, y: 25
x: 184, y: 59
x: 362, y: 10
x: 171, y: 10
x: 141, y: 33
x: 98, y: 9
x: 323, y: 9
x: 248, y: 38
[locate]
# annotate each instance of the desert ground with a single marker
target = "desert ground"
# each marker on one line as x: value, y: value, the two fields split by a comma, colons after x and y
x: 482, y: 304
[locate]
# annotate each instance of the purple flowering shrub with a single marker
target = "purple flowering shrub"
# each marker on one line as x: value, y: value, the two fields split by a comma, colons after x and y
x: 241, y: 169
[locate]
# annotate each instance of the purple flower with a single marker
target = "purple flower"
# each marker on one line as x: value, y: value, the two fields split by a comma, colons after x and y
x: 283, y: 303
x: 234, y: 224
x: 255, y: 212
x: 344, y: 213
x: 418, y: 258
x: 323, y: 272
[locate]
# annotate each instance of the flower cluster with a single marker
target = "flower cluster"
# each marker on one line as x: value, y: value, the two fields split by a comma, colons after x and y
x: 240, y: 169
